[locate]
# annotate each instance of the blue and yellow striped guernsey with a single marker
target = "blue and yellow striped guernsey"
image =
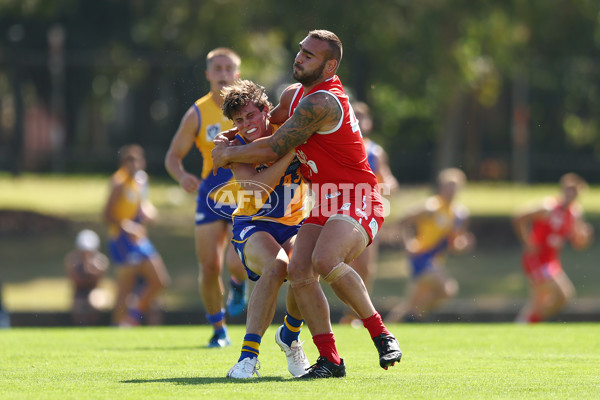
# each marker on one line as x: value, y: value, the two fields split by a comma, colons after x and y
x: 285, y: 203
x: 127, y: 205
x: 433, y: 229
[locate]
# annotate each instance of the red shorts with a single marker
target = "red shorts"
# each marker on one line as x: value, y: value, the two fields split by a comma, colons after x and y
x: 539, y: 269
x: 364, y: 211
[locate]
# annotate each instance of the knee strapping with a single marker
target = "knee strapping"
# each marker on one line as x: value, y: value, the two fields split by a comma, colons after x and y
x: 337, y: 272
x: 303, y: 282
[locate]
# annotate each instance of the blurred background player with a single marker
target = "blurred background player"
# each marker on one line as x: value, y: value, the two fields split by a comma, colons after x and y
x: 271, y: 209
x: 4, y: 317
x: 366, y: 263
x: 543, y: 232
x: 85, y: 267
x: 428, y: 233
x: 127, y: 211
x: 199, y: 126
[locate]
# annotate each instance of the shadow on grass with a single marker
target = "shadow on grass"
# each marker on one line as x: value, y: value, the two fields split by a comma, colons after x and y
x: 208, y: 380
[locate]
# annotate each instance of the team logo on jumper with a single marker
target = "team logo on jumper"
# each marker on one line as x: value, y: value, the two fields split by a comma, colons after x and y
x: 310, y: 163
x: 374, y: 227
x: 212, y: 131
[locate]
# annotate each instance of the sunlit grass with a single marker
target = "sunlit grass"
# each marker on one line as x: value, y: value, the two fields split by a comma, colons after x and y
x: 493, y: 199
x: 440, y: 361
x: 77, y: 196
x: 83, y: 197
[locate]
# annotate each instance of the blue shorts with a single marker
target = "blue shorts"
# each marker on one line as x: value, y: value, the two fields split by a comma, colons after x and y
x: 123, y: 250
x: 424, y: 262
x: 208, y: 210
x: 421, y: 264
x: 243, y: 229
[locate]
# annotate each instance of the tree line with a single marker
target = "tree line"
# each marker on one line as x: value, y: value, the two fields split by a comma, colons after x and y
x: 503, y: 89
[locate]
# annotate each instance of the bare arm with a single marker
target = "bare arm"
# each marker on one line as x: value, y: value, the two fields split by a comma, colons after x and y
x: 248, y: 177
x: 316, y: 112
x: 115, y: 192
x: 280, y: 113
x: 94, y: 266
x: 149, y: 211
x: 407, y: 228
x: 461, y: 239
x: 226, y: 137
x: 180, y: 146
x: 582, y: 233
x: 131, y: 227
x: 384, y: 174
x: 522, y: 225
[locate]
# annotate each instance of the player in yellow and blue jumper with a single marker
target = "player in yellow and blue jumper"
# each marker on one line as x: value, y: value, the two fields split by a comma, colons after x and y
x: 429, y: 232
x: 216, y: 195
x: 127, y: 211
x: 271, y: 208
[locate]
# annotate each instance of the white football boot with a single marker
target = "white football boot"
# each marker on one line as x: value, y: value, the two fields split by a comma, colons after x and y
x: 245, y: 369
x: 296, y: 359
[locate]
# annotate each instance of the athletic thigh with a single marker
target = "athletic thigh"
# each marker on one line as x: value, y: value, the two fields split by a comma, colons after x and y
x: 564, y: 284
x: 211, y: 239
x: 300, y: 266
x: 339, y: 241
x: 260, y: 251
x: 154, y: 270
x: 126, y: 277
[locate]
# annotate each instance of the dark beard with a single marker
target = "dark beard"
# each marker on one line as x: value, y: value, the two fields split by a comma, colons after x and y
x: 308, y: 80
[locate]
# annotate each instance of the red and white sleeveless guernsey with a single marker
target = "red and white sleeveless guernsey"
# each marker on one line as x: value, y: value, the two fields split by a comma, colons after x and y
x: 549, y: 234
x: 336, y: 164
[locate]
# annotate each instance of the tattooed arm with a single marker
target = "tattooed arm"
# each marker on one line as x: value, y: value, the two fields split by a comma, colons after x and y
x: 317, y: 112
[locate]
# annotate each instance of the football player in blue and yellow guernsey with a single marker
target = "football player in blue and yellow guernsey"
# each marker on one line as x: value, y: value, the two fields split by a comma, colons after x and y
x: 127, y: 211
x: 429, y: 232
x: 200, y: 124
x: 271, y: 207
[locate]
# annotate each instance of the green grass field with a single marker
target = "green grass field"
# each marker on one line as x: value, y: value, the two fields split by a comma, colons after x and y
x: 493, y: 361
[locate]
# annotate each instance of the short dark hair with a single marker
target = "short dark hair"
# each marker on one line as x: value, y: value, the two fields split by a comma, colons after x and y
x: 335, y: 44
x: 130, y: 150
x: 241, y: 93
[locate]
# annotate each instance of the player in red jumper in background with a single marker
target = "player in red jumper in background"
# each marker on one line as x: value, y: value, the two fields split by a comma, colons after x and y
x: 543, y: 232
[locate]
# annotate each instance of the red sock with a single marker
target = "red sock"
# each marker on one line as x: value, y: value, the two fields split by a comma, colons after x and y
x: 325, y: 343
x: 375, y: 325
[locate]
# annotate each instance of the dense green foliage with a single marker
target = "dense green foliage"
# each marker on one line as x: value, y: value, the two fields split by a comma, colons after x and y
x: 444, y: 78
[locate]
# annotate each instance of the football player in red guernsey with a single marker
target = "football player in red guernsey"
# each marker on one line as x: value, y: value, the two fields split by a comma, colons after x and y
x: 543, y: 231
x: 348, y: 212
